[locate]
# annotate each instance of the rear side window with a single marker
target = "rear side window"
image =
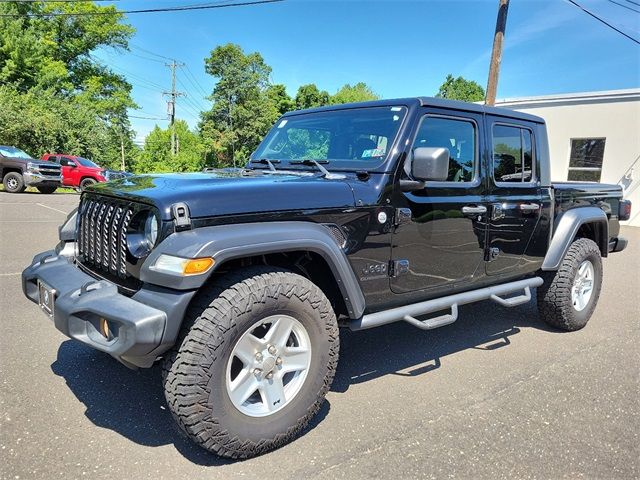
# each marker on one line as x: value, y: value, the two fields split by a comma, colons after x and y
x: 458, y: 136
x: 513, y: 156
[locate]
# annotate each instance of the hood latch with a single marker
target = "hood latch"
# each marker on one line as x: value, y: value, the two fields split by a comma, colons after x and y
x: 181, y: 216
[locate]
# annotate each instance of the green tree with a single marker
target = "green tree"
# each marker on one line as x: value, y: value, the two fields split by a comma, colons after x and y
x: 156, y: 155
x: 360, y: 92
x: 242, y: 110
x: 51, y: 57
x: 309, y: 96
x: 461, y: 89
x: 282, y: 101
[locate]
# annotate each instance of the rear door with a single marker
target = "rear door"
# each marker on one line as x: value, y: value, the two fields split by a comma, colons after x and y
x: 514, y: 200
x: 442, y: 242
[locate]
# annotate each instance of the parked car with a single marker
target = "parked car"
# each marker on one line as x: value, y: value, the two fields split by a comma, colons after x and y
x: 20, y: 170
x: 77, y: 171
x: 355, y: 215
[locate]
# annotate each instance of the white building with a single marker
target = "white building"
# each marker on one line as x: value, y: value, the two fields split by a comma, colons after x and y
x: 593, y: 136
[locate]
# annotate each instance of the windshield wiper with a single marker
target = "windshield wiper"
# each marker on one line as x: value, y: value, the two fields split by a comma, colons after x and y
x: 317, y: 163
x: 266, y: 161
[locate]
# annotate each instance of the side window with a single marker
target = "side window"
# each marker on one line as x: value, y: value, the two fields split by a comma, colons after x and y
x: 513, y: 157
x: 458, y: 136
x: 67, y: 162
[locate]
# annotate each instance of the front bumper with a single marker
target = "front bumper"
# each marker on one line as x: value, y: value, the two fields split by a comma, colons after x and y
x: 138, y: 324
x: 33, y: 179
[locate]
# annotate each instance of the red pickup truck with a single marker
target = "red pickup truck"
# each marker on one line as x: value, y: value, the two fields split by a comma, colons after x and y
x: 77, y: 171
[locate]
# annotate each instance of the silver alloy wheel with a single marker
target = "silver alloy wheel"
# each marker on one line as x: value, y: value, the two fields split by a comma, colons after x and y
x: 582, y: 288
x: 12, y: 183
x: 268, y: 365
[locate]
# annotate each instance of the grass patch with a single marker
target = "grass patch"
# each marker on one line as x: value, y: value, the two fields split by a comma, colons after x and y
x: 35, y: 190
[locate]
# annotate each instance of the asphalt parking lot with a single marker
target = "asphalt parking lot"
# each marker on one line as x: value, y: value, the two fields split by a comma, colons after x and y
x: 495, y: 395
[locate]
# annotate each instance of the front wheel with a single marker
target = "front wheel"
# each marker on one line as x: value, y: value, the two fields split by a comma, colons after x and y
x: 569, y: 296
x: 256, y: 358
x: 13, y: 182
x: 47, y: 189
x: 87, y: 182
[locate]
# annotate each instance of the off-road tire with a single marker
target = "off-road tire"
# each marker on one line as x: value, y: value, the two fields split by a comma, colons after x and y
x: 13, y: 182
x: 194, y: 371
x: 86, y: 182
x: 554, y: 295
x: 48, y: 189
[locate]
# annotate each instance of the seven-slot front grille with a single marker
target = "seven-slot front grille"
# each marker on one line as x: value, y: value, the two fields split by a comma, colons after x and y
x: 102, y: 239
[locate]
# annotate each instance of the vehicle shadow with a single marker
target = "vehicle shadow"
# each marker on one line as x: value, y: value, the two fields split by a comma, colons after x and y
x: 402, y: 349
x: 132, y: 403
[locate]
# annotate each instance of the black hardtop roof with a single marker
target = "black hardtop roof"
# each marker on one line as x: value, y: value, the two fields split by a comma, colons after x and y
x: 431, y: 102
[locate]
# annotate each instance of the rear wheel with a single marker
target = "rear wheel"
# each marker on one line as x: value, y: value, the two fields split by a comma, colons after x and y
x: 87, y: 182
x: 569, y: 296
x: 13, y: 182
x: 47, y: 189
x: 256, y: 358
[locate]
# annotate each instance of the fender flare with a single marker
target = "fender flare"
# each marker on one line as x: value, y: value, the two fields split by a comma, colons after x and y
x: 565, y: 231
x: 228, y: 242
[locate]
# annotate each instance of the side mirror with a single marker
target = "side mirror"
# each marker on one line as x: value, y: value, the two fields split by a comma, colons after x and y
x: 430, y: 163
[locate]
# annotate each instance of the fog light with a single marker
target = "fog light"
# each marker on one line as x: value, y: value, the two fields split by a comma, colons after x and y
x: 104, y: 328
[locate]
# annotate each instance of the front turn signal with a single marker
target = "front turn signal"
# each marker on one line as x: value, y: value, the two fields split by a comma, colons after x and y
x: 182, y: 266
x: 198, y: 265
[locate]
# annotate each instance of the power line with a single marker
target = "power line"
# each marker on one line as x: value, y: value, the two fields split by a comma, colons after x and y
x: 632, y: 2
x: 202, y: 90
x: 192, y: 100
x: 601, y: 20
x: 137, y: 47
x: 182, y: 8
x: 148, y: 118
x: 624, y: 6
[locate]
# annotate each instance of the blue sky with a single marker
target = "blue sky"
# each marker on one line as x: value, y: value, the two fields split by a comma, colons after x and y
x: 400, y: 48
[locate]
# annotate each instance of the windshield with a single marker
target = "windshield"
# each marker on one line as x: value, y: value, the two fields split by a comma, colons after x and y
x: 14, y: 152
x: 353, y: 138
x: 86, y: 163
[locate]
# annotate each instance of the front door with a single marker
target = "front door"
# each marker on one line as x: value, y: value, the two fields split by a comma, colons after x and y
x: 441, y: 241
x: 514, y: 200
x: 69, y: 171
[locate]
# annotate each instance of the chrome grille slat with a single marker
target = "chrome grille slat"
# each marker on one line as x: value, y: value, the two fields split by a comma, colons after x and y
x: 102, y: 234
x: 106, y: 255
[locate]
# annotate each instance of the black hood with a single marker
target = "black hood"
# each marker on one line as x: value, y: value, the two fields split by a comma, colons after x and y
x: 231, y: 192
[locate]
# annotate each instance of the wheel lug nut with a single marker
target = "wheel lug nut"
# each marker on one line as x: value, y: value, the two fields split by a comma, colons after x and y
x: 257, y: 371
x: 271, y: 349
x: 279, y: 361
x: 259, y: 357
x: 269, y: 375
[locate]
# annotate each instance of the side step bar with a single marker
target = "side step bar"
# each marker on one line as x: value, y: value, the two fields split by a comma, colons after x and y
x: 408, y: 313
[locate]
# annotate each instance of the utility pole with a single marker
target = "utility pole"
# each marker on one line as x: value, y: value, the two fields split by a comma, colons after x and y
x: 171, y: 103
x: 496, y: 54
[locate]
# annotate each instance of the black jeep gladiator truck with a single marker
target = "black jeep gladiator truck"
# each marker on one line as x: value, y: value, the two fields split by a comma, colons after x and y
x: 354, y: 215
x: 20, y: 170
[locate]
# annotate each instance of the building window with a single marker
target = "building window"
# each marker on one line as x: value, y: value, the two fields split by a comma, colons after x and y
x: 585, y: 162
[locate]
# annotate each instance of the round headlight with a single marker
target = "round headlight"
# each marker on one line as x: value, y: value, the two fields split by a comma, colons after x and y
x: 151, y: 230
x: 142, y: 234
